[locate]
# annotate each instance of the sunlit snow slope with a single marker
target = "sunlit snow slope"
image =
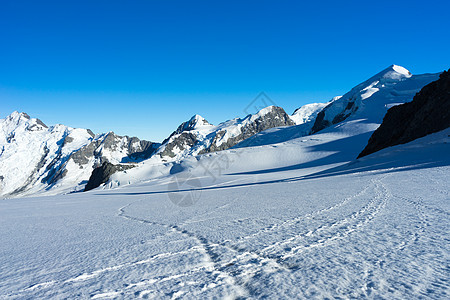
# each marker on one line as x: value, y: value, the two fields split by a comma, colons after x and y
x: 374, y: 228
x: 283, y: 216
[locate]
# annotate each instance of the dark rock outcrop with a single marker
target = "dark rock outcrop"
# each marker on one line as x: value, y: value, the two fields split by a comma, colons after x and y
x: 136, y: 149
x: 100, y: 175
x: 197, y: 134
x: 192, y: 124
x: 182, y: 138
x: 321, y: 122
x: 429, y: 112
x: 182, y: 141
x: 276, y: 117
x: 58, y: 152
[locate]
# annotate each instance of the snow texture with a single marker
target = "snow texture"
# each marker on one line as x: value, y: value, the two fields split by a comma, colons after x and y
x: 284, y: 216
x: 372, y: 228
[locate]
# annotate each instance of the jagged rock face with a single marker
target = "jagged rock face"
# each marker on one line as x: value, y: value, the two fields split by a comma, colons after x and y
x: 343, y: 107
x: 194, y: 123
x: 182, y: 141
x: 101, y: 174
x: 429, y: 112
x: 105, y: 148
x: 276, y: 117
x: 197, y: 136
x: 144, y: 149
x: 111, y: 147
x: 35, y: 158
x: 184, y: 137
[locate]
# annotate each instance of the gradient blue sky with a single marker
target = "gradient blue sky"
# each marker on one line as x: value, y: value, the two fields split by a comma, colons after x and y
x: 142, y: 67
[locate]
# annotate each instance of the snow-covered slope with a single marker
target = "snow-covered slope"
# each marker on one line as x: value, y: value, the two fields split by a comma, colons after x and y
x: 367, y: 102
x: 382, y: 83
x: 198, y: 136
x: 308, y: 113
x: 60, y: 159
x: 292, y: 146
x: 303, y: 117
x: 299, y: 218
x: 66, y: 164
x: 57, y: 159
x: 267, y: 227
x: 30, y: 150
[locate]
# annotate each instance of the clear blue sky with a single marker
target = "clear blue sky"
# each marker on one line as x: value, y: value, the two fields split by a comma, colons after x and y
x: 142, y: 67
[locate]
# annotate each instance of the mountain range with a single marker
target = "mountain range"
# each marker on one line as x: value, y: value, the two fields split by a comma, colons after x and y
x: 40, y: 159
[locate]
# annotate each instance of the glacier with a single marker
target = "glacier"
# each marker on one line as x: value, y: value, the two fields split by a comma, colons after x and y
x: 281, y: 214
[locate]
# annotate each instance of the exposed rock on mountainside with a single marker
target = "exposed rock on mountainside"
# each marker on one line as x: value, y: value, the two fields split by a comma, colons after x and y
x: 182, y: 141
x: 37, y: 158
x: 185, y: 136
x: 101, y: 174
x: 195, y: 123
x: 429, y: 112
x: 275, y: 117
x: 198, y: 136
x: 108, y: 147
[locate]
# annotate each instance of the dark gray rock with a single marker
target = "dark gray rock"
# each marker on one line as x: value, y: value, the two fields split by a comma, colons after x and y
x: 67, y: 140
x: 182, y: 141
x: 275, y: 118
x: 11, y: 137
x: 83, y: 155
x: 187, y: 126
x: 429, y: 112
x: 191, y: 124
x: 41, y: 123
x: 146, y: 150
x: 101, y: 175
x: 322, y: 123
x: 90, y: 132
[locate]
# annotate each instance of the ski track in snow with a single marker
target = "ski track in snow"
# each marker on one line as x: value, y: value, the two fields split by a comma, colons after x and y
x: 247, y: 259
x: 238, y: 267
x: 288, y: 220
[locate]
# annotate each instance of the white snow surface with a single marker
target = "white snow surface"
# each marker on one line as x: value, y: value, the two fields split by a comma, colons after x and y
x: 394, y: 83
x: 24, y: 141
x: 263, y: 226
x: 282, y: 216
x: 307, y: 113
x: 205, y: 134
x: 30, y: 151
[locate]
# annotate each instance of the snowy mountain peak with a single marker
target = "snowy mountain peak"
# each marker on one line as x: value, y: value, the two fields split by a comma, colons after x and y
x: 307, y: 113
x: 21, y: 120
x: 401, y: 70
x: 390, y: 74
x: 17, y: 117
x: 264, y: 111
x: 381, y: 86
x: 195, y: 123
